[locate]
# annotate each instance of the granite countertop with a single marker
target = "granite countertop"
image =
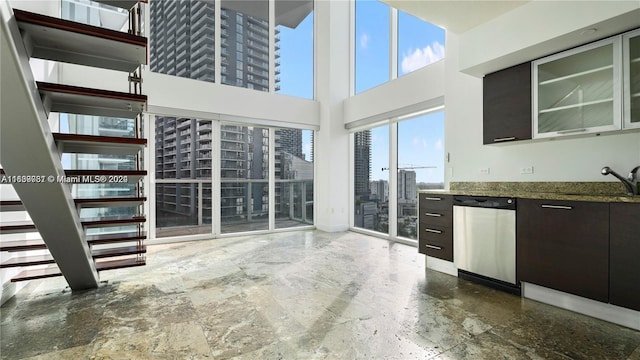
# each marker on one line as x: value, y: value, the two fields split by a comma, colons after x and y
x: 570, y: 191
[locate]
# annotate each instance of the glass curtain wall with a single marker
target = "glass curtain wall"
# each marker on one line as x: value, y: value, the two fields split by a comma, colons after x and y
x: 183, y: 38
x: 420, y: 166
x: 183, y: 163
x: 294, y: 48
x: 183, y: 43
x: 419, y: 43
x: 371, y: 179
x: 245, y: 42
x: 244, y: 178
x: 372, y: 42
x: 294, y: 177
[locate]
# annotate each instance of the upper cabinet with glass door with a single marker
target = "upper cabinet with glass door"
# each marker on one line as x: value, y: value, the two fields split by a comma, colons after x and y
x: 631, y: 56
x: 578, y: 91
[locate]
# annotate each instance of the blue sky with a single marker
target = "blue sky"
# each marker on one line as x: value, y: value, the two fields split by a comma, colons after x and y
x: 420, y: 144
x: 420, y: 140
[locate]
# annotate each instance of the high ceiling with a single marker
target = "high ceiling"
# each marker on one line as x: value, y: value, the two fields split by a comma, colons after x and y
x: 456, y: 16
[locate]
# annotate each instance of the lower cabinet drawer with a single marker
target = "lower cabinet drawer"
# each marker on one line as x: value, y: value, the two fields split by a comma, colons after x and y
x: 436, y: 240
x: 438, y: 250
x: 435, y: 232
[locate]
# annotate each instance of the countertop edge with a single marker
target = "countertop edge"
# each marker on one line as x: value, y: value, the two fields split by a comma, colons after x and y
x: 538, y: 196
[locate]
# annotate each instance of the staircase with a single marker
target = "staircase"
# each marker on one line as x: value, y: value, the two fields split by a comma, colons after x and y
x: 79, y: 234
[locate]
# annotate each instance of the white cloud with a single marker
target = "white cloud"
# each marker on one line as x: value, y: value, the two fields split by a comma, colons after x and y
x: 364, y: 40
x: 438, y: 144
x: 418, y: 58
x: 419, y: 143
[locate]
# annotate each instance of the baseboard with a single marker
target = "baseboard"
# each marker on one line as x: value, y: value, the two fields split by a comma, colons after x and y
x: 607, y: 312
x: 333, y: 227
x: 442, y: 266
x: 8, y: 291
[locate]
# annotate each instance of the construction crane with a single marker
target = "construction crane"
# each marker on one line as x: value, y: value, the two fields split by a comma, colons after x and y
x: 411, y: 167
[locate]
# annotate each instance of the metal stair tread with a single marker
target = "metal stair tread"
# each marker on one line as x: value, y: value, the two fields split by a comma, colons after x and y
x: 119, y: 264
x: 125, y: 250
x: 27, y: 261
x: 69, y: 41
x: 110, y: 201
x: 22, y: 245
x: 33, y: 274
x: 112, y: 220
x: 11, y: 205
x: 88, y: 101
x: 93, y: 144
x: 17, y: 226
x: 115, y: 237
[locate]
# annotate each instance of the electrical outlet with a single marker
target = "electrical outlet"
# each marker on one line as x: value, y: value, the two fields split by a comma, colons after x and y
x: 526, y: 170
x: 484, y: 171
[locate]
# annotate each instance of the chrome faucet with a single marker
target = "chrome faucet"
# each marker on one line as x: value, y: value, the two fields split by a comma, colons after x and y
x: 631, y: 182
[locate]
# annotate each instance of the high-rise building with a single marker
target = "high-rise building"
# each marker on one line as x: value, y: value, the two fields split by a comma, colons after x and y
x: 380, y: 188
x: 362, y: 162
x: 407, y: 187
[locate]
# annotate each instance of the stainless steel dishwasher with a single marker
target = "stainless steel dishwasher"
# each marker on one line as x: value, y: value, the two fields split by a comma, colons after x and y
x: 484, y: 240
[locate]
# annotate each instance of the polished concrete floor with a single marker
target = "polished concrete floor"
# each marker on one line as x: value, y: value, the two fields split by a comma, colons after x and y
x: 296, y: 295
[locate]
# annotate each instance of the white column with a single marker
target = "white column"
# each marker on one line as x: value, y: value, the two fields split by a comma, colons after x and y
x: 332, y: 88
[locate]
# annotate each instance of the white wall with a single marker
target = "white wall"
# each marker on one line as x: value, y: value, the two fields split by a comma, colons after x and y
x: 332, y: 141
x: 539, y: 28
x: 419, y: 90
x: 559, y: 160
x: 173, y: 95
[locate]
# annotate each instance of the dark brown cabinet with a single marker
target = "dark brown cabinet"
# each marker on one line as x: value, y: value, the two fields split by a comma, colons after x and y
x: 435, y: 237
x: 564, y: 245
x: 624, y: 256
x: 507, y: 105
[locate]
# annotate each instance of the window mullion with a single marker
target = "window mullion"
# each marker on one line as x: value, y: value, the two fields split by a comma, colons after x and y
x: 218, y: 43
x: 272, y: 46
x: 272, y: 178
x: 216, y: 177
x: 393, y: 180
x: 393, y: 43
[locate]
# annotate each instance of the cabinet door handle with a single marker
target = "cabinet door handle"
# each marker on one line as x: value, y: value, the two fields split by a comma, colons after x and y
x: 433, y: 247
x: 571, y: 131
x: 504, y: 139
x: 432, y: 198
x: 433, y: 231
x: 432, y: 214
x: 562, y: 207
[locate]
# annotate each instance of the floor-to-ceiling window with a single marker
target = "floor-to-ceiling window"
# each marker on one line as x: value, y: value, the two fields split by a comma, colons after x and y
x: 420, y: 166
x: 256, y: 49
x: 294, y: 42
x: 390, y: 43
x: 182, y: 38
x: 244, y: 178
x: 183, y: 168
x: 419, y: 43
x: 371, y: 179
x: 214, y: 177
x: 385, y: 191
x: 372, y: 67
x: 294, y: 175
